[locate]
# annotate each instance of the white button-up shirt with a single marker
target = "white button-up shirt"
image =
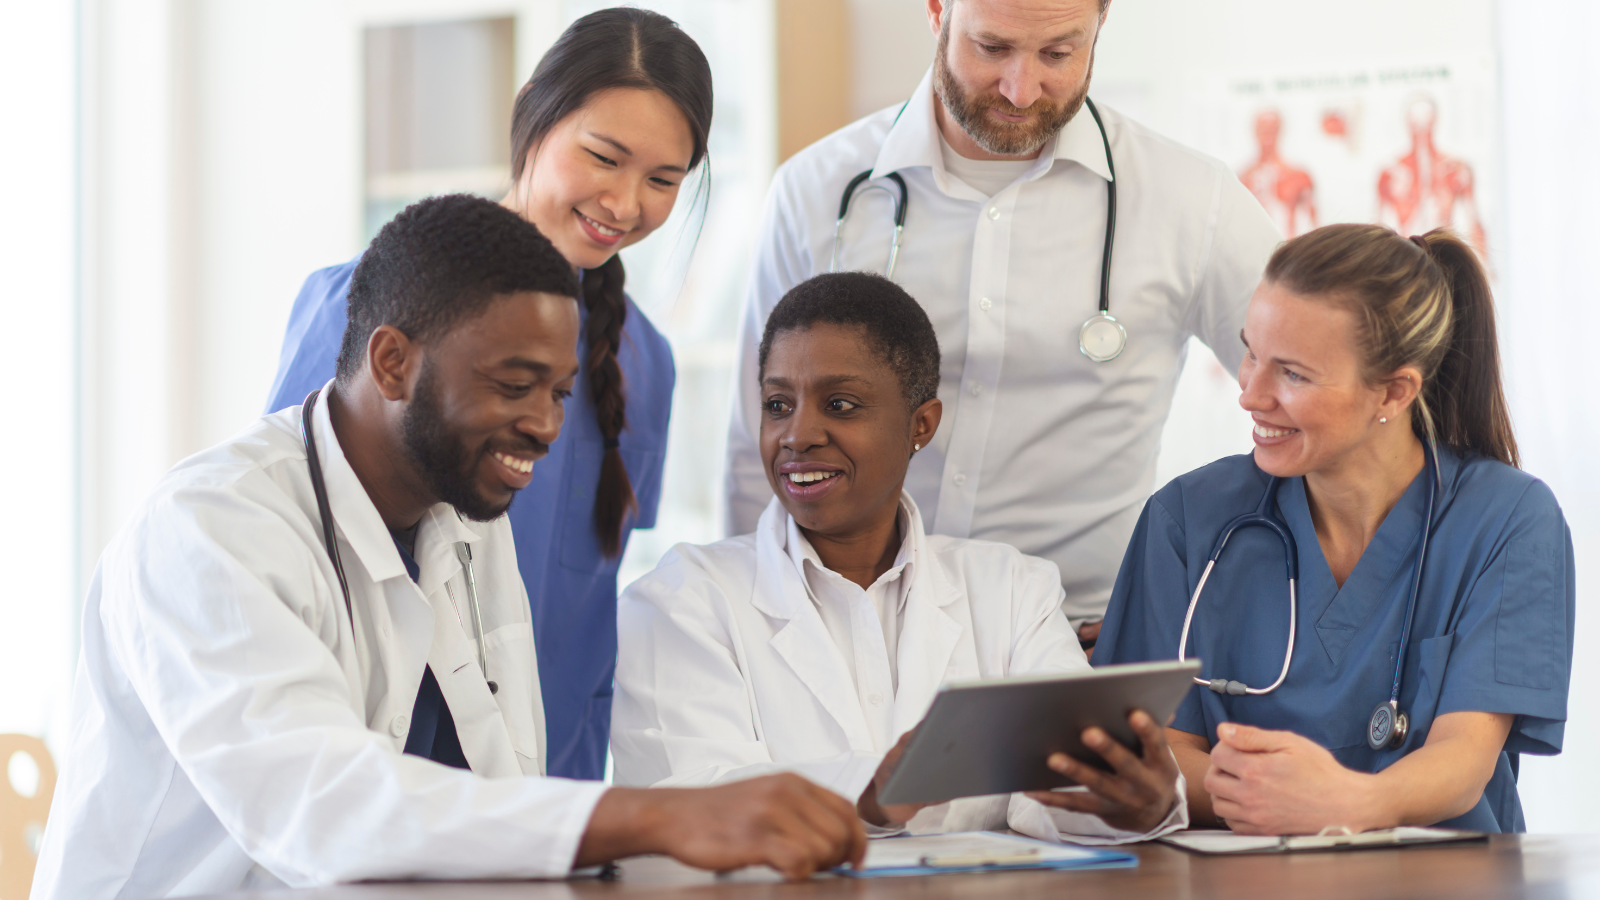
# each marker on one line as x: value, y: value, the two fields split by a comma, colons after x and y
x: 1040, y: 447
x: 863, y: 622
x: 231, y: 730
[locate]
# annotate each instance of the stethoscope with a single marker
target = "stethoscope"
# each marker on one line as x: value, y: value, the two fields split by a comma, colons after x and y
x: 1101, y: 338
x: 1387, y: 726
x: 325, y: 513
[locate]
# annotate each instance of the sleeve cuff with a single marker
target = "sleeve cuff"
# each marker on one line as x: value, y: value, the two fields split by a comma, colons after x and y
x: 1046, y: 823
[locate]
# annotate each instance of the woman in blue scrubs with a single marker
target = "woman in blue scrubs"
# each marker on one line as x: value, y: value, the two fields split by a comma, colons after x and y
x: 603, y: 135
x: 1363, y: 347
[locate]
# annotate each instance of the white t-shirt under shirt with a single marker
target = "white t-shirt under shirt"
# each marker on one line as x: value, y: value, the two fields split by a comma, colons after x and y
x: 986, y: 176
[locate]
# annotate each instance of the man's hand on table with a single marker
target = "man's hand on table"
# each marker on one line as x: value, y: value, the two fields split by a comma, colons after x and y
x: 1140, y: 791
x: 782, y: 821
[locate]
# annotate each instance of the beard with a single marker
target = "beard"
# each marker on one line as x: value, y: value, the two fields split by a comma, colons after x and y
x: 441, y: 457
x: 997, y: 137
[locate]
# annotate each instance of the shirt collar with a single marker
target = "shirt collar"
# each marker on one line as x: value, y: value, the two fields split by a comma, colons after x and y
x: 913, y: 140
x: 356, y: 517
x: 801, y: 553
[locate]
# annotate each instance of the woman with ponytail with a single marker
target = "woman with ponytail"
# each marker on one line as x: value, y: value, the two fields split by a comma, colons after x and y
x: 1371, y: 369
x: 614, y: 119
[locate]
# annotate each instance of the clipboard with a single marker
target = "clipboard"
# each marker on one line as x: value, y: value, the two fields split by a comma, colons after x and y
x: 978, y: 851
x: 1226, y: 843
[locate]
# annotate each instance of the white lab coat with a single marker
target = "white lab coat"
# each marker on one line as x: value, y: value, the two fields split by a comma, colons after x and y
x: 229, y: 732
x: 726, y: 671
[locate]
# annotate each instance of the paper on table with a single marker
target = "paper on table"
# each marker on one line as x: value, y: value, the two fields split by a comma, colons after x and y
x: 1228, y: 842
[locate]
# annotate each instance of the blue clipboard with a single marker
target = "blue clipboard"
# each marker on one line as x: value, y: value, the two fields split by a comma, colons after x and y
x: 979, y: 851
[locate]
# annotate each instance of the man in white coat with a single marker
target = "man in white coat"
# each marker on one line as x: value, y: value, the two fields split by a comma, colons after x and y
x: 309, y: 658
x: 1008, y: 181
x: 815, y: 644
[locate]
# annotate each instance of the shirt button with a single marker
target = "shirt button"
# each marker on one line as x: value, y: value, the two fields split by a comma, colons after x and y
x: 875, y: 699
x: 984, y: 304
x: 400, y: 725
x: 994, y: 212
x: 976, y: 389
x: 960, y: 478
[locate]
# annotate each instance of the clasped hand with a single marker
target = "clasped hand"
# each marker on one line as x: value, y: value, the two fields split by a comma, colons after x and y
x: 1277, y: 782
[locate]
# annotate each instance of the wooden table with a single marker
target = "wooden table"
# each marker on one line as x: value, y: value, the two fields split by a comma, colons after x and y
x: 1507, y: 867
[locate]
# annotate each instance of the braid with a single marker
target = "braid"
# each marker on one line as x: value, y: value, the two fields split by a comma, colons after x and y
x: 608, y: 309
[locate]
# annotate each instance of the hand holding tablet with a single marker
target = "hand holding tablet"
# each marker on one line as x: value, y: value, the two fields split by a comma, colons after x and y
x: 1101, y: 729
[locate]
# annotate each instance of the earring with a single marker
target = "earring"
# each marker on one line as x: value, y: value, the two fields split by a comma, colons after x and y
x: 1383, y: 420
x: 915, y: 447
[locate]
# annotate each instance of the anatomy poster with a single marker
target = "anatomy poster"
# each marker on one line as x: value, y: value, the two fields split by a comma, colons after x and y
x: 1412, y: 146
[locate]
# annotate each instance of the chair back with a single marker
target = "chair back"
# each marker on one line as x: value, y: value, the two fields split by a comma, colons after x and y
x: 22, y: 816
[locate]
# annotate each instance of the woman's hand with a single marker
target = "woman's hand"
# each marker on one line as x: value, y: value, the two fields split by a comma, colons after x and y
x: 1277, y: 782
x: 1140, y: 791
x: 868, y: 807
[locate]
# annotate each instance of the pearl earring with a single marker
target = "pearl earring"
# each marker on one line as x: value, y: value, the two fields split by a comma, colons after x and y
x: 915, y: 447
x: 1382, y: 420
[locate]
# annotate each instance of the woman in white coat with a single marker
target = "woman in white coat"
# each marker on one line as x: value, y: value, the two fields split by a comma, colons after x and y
x: 817, y: 643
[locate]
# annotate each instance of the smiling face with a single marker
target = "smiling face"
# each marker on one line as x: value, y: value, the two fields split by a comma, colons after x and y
x: 1303, y: 385
x: 607, y: 175
x: 1012, y: 73
x: 836, y: 430
x: 486, y: 401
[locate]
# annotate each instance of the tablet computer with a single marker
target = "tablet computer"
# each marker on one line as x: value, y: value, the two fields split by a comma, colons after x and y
x: 993, y: 737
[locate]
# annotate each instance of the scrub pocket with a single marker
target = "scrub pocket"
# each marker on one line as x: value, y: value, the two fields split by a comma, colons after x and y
x: 1530, y: 630
x: 580, y: 549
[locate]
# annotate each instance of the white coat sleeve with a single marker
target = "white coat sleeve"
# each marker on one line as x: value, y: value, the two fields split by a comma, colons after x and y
x: 1242, y: 240
x: 213, y: 612
x: 781, y: 261
x: 1046, y: 643
x: 683, y: 714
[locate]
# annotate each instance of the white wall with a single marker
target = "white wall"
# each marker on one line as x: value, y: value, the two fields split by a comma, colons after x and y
x: 1549, y: 320
x: 39, y: 300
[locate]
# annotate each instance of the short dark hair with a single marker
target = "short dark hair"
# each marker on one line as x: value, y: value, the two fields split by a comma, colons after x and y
x: 894, y: 324
x: 440, y: 262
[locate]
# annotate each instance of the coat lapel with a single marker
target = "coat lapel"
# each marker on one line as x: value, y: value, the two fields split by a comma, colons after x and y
x: 803, y: 641
x: 929, y: 636
x: 931, y: 651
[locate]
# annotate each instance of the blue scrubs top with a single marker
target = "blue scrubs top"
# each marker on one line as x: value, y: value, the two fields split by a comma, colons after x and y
x: 572, y: 588
x: 1493, y: 628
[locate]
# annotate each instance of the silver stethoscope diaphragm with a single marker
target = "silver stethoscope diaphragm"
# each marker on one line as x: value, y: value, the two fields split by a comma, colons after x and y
x: 1102, y: 338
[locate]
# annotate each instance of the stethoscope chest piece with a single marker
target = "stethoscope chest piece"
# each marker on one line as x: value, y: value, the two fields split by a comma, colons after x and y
x: 1102, y: 338
x: 1388, y: 726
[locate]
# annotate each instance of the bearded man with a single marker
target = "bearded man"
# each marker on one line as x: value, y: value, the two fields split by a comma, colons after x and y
x: 1054, y: 414
x: 309, y: 656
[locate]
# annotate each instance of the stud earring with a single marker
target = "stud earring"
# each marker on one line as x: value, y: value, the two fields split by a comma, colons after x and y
x: 1383, y: 420
x: 915, y: 447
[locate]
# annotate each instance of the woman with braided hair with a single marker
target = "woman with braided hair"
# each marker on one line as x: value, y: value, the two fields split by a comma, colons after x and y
x: 614, y: 119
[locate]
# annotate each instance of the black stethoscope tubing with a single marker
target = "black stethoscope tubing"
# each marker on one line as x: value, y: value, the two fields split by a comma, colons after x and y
x: 319, y: 487
x: 1103, y: 322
